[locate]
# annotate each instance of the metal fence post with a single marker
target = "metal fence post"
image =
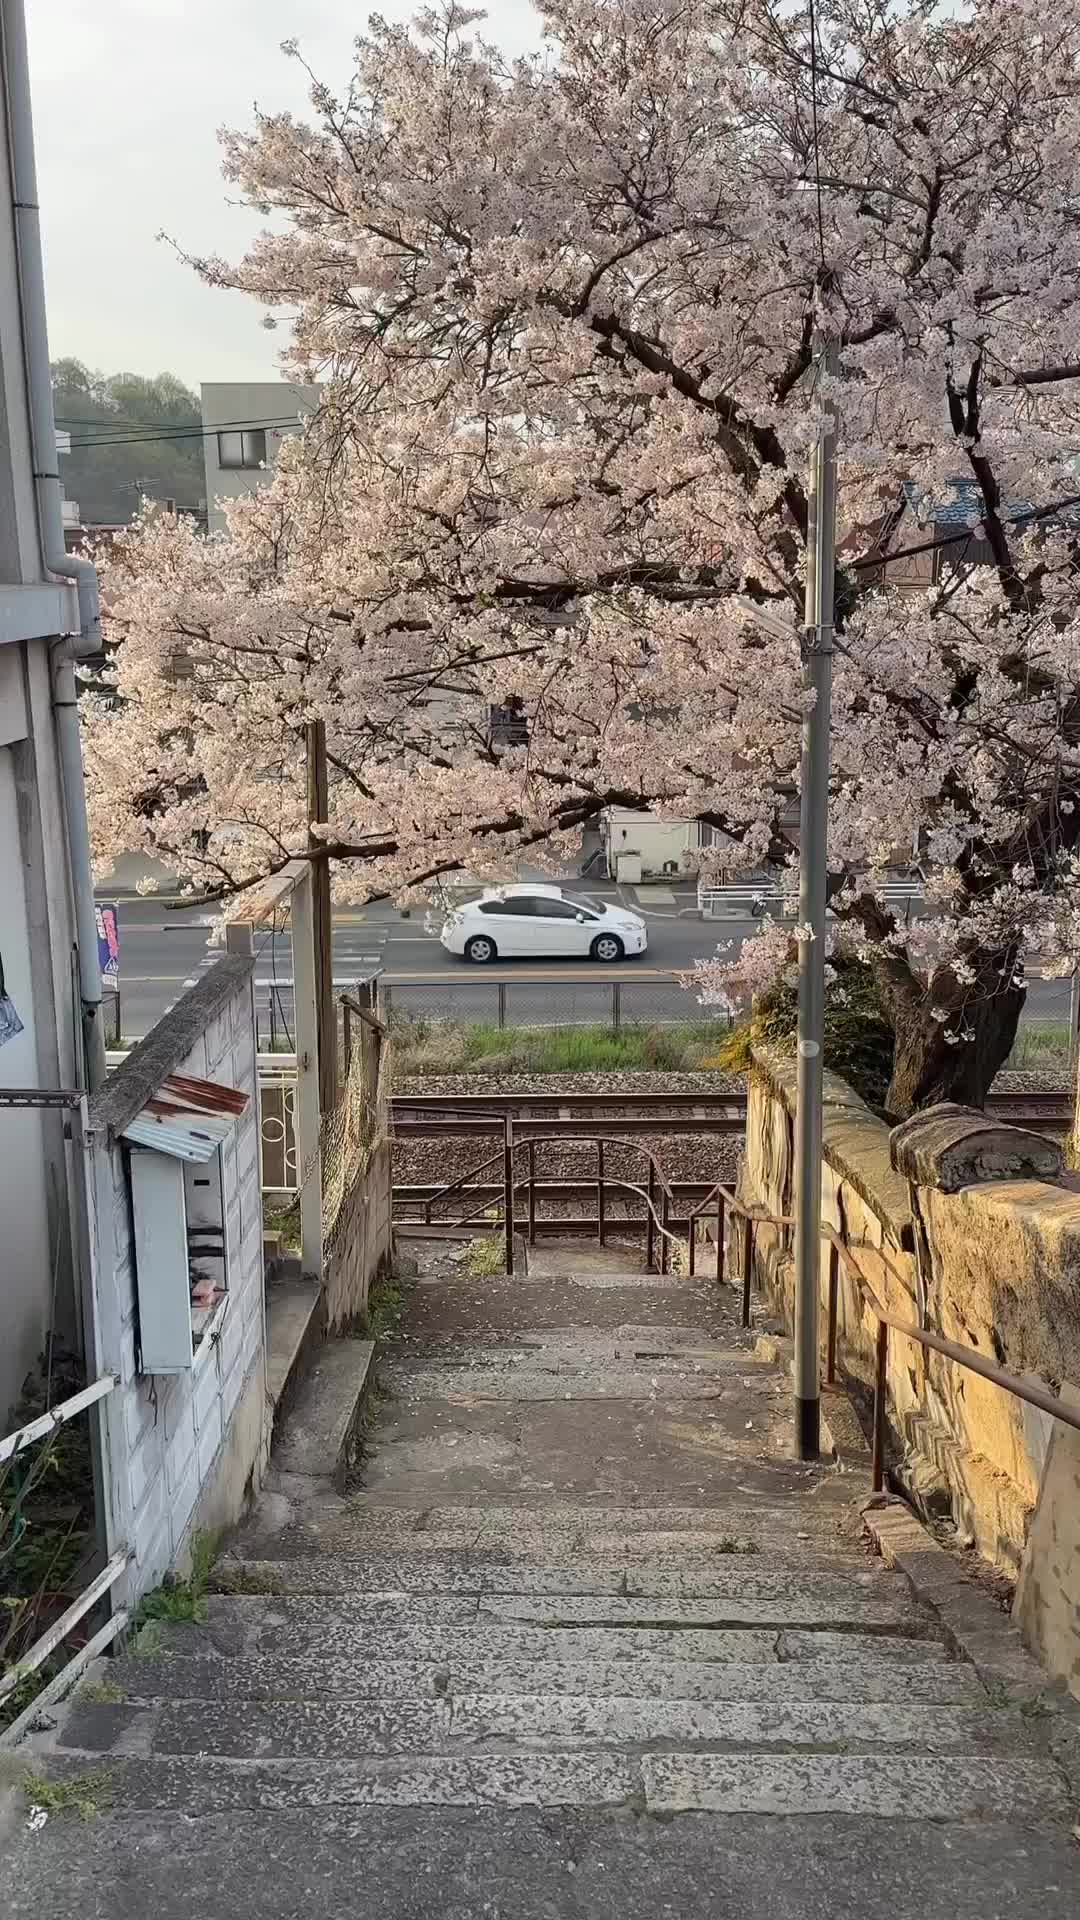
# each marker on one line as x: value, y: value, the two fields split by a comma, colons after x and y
x: 691, y: 1242
x: 308, y: 1113
x: 747, y: 1266
x: 532, y: 1193
x: 650, y: 1219
x: 508, y: 1191
x: 880, y: 1381
x: 834, y: 1282
x: 600, y: 1222
x: 720, y: 1239
x: 616, y: 1006
x: 502, y: 1005
x: 665, y: 1244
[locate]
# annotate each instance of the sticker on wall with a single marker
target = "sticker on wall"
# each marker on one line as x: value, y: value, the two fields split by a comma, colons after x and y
x: 10, y: 1024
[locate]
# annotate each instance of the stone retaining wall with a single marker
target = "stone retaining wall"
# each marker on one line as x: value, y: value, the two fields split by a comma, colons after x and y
x: 985, y: 1244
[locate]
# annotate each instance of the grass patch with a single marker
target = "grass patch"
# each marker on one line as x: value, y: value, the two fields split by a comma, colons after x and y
x: 486, y: 1256
x: 386, y: 1304
x: 446, y: 1046
x: 100, y: 1693
x: 1040, y: 1043
x: 178, y: 1598
x: 82, y: 1793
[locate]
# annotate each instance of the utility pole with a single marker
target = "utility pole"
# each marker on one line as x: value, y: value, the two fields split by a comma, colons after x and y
x: 318, y: 808
x: 817, y: 649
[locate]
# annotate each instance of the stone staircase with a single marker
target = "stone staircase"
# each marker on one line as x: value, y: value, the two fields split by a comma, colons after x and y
x: 582, y: 1617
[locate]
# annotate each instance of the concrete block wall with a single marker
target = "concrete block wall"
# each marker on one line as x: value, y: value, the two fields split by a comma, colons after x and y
x: 174, y: 1459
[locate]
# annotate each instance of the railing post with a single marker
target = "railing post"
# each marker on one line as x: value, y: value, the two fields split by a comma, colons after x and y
x: 650, y: 1220
x: 719, y: 1239
x: 502, y: 1005
x: 532, y: 1193
x: 616, y: 1006
x: 880, y: 1377
x: 508, y: 1191
x: 691, y: 1237
x: 601, y: 1225
x: 834, y: 1281
x: 308, y: 1112
x: 346, y: 1035
x: 747, y: 1265
x: 665, y: 1221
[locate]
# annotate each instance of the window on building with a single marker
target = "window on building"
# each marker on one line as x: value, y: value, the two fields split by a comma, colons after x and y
x: 242, y: 448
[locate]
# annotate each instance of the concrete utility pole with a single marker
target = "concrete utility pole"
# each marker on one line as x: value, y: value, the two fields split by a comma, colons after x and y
x: 318, y: 808
x: 817, y: 649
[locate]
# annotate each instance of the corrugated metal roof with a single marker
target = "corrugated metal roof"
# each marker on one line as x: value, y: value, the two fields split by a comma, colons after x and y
x: 188, y: 1119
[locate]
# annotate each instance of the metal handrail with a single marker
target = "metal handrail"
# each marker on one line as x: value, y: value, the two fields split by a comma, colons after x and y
x: 961, y: 1356
x: 839, y: 1251
x: 453, y: 1185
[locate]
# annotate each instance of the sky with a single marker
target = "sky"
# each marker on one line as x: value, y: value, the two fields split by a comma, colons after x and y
x: 128, y: 98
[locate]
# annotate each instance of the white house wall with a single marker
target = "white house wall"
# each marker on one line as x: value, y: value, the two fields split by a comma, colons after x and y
x: 183, y: 1447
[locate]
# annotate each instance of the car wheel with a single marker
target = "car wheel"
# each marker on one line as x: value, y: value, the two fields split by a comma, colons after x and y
x: 480, y: 949
x: 607, y: 946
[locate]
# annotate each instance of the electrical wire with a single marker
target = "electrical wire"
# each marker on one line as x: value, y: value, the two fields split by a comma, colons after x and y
x: 141, y: 437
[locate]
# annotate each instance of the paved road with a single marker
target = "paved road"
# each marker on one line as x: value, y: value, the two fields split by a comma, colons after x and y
x: 163, y: 950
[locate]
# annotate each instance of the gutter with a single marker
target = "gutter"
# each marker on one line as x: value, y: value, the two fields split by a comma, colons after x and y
x: 56, y: 560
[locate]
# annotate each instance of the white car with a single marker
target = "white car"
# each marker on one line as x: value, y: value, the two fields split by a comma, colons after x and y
x: 530, y: 922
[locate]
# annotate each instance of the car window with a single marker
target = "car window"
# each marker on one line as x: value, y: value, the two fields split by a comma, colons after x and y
x: 558, y: 909
x: 497, y: 906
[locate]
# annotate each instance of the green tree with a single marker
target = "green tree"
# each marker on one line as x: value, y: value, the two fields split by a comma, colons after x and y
x: 108, y: 480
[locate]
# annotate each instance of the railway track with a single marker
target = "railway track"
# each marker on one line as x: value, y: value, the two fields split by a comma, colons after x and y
x: 577, y: 1115
x: 471, y: 1125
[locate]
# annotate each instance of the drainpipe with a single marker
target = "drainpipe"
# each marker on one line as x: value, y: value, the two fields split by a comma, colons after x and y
x: 56, y: 559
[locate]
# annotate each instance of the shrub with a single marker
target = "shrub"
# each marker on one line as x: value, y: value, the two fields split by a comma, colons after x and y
x: 858, y: 1033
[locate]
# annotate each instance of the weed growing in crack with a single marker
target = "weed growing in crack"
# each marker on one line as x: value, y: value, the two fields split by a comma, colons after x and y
x: 83, y: 1793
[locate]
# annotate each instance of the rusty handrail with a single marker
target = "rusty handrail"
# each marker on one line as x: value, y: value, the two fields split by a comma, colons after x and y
x: 951, y: 1350
x: 961, y: 1356
x: 453, y: 1185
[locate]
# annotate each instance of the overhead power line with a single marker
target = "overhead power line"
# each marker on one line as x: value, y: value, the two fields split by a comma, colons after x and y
x: 139, y: 436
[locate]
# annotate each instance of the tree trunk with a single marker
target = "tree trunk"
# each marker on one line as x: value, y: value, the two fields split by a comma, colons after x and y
x: 929, y: 1065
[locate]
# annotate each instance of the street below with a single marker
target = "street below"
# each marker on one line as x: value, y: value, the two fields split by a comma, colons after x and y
x: 164, y: 949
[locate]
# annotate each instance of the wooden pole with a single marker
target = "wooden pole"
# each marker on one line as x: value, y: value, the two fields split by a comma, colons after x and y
x: 318, y: 811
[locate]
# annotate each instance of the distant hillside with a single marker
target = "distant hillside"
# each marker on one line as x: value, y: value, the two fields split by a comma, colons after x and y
x: 133, y: 413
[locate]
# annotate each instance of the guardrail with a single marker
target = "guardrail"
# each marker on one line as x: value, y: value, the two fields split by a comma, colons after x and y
x: 758, y: 901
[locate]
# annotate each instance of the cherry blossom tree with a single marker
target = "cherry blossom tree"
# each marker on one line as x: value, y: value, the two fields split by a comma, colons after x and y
x: 564, y: 310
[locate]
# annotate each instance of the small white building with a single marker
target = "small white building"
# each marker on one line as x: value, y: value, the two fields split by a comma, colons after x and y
x: 244, y: 425
x: 641, y: 846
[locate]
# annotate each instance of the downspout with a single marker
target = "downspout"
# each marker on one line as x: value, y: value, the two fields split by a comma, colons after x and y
x: 56, y: 559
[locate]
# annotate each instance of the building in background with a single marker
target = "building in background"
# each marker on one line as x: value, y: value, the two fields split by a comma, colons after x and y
x: 244, y: 424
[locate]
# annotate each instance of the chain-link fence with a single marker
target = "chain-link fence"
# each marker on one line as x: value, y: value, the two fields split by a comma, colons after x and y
x: 603, y: 1003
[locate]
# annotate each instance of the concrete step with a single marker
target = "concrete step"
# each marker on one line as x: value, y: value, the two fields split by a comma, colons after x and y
x: 746, y: 1575
x: 323, y: 1729
x: 294, y: 1315
x: 867, y: 1676
x: 309, y: 1630
x: 427, y: 1863
x: 740, y: 1603
x: 888, y: 1786
x: 319, y: 1433
x: 662, y: 1379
